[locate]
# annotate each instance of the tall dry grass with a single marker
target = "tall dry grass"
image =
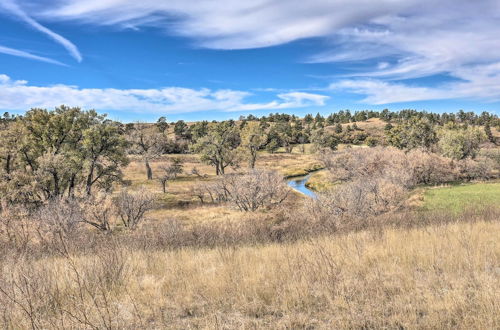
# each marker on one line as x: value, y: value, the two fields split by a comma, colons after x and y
x: 439, y: 274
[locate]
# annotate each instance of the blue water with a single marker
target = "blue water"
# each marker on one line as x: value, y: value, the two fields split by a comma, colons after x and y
x: 299, y: 183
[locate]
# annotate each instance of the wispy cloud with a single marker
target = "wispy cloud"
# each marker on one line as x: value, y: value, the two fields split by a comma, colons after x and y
x: 13, y: 8
x: 20, y: 53
x: 229, y: 24
x: 392, y: 40
x: 401, y: 39
x: 478, y: 82
x: 19, y: 95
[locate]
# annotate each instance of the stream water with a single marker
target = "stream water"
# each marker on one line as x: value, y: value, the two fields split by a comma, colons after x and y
x: 299, y: 183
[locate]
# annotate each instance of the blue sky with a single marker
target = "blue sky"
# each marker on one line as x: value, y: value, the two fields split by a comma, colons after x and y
x: 138, y: 60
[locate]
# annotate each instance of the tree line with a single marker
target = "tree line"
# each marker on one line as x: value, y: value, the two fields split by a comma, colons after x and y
x: 66, y: 151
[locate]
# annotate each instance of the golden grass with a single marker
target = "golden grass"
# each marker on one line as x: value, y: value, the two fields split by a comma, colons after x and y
x: 286, y: 163
x: 197, y: 214
x: 444, y: 277
x: 320, y: 181
x: 179, y: 190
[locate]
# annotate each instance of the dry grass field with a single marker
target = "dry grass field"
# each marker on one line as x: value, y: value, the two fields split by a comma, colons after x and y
x: 439, y: 276
x: 179, y: 202
x: 430, y: 262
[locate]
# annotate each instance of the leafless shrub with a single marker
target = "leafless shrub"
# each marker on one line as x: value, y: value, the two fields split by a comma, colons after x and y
x: 367, y: 162
x: 429, y: 168
x: 16, y: 230
x: 255, y: 189
x: 25, y: 290
x: 97, y: 211
x: 406, y: 169
x: 375, y: 181
x: 169, y: 172
x: 215, y: 191
x: 131, y: 206
x: 196, y: 172
x: 351, y: 203
x: 480, y: 168
x: 74, y: 293
x: 60, y: 216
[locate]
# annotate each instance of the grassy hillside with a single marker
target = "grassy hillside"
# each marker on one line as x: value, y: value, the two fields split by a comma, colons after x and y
x: 435, y: 277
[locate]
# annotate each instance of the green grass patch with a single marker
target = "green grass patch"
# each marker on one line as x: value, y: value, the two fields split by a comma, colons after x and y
x: 459, y: 197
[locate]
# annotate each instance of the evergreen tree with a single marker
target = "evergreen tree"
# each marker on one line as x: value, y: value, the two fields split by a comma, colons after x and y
x: 162, y: 125
x: 338, y: 128
x: 487, y: 131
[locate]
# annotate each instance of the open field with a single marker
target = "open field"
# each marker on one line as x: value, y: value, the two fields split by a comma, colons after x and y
x: 456, y: 198
x: 440, y: 276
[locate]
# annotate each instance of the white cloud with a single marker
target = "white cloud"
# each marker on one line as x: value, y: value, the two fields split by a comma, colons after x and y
x: 480, y: 82
x: 397, y: 39
x: 21, y: 53
x: 380, y: 92
x: 227, y: 24
x: 15, y: 10
x: 19, y: 95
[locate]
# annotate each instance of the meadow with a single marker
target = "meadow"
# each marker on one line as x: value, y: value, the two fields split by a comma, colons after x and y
x: 457, y: 197
x: 441, y: 274
x: 404, y: 239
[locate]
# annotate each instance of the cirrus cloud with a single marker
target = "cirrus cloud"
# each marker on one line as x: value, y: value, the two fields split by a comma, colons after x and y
x: 393, y: 40
x: 14, y: 9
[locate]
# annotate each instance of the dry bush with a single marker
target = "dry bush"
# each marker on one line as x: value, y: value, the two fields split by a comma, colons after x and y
x: 214, y: 191
x: 367, y: 197
x: 376, y: 180
x: 60, y: 216
x: 97, y: 211
x: 481, y: 168
x: 14, y: 227
x: 70, y: 293
x: 132, y: 206
x: 429, y: 168
x: 255, y: 228
x: 255, y: 189
x: 248, y: 192
x: 352, y: 202
x: 407, y: 169
x: 355, y: 163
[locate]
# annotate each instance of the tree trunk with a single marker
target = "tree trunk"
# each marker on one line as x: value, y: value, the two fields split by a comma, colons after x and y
x: 56, y: 183
x: 7, y: 164
x: 90, y: 177
x: 71, y: 187
x: 149, y: 171
x: 253, y: 158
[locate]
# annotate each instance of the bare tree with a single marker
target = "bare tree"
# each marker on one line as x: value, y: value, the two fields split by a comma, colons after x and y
x: 170, y: 172
x: 97, y: 211
x: 255, y: 189
x: 131, y: 207
x: 147, y: 143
